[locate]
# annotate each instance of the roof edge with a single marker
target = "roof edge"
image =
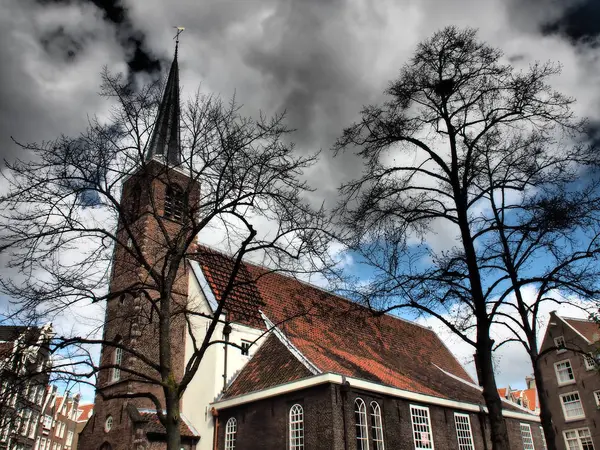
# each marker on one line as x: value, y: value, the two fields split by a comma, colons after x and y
x: 564, y: 320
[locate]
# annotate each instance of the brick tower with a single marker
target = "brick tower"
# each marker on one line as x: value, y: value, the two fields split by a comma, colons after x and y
x: 157, y: 205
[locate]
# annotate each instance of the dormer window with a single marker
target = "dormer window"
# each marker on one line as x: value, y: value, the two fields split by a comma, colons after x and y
x: 174, y: 203
x: 560, y: 344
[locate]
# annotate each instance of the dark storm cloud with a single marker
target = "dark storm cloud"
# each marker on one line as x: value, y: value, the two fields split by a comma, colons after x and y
x: 580, y: 21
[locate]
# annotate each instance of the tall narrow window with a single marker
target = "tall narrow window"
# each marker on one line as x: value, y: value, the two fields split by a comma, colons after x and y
x: 564, y: 372
x: 421, y: 426
x: 377, y: 426
x: 362, y: 432
x: 560, y: 344
x: 579, y: 439
x: 174, y: 203
x: 526, y: 437
x: 544, y: 445
x: 230, y: 434
x: 117, y: 359
x: 296, y: 428
x: 572, y: 407
x: 463, y: 431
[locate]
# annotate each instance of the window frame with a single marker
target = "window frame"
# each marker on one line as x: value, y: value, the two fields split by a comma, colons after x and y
x: 413, y: 409
x: 361, y: 424
x: 562, y: 404
x: 175, y: 203
x: 230, y: 433
x: 586, y: 363
x: 523, y: 427
x: 543, y: 436
x: 577, y: 433
x: 559, y: 348
x: 556, y: 371
x: 376, y: 426
x: 245, y: 347
x: 117, y: 360
x: 108, y: 423
x: 597, y: 398
x: 296, y: 427
x: 464, y: 446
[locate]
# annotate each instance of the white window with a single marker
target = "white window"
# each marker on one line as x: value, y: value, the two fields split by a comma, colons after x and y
x: 43, y: 444
x: 108, y: 424
x: 230, y: 432
x: 377, y: 426
x: 362, y: 431
x: 559, y: 343
x: 544, y: 445
x: 296, y: 428
x: 37, y: 444
x: 526, y: 437
x: 590, y: 362
x: 463, y: 431
x: 35, y: 418
x: 597, y: 398
x: 116, y: 371
x: 47, y: 421
x: 58, y: 428
x: 571, y: 405
x: 564, y: 372
x: 579, y: 439
x: 69, y: 438
x: 40, y: 395
x: 421, y: 427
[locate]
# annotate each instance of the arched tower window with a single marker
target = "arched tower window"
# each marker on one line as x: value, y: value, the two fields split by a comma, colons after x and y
x: 174, y: 203
x: 362, y: 432
x: 230, y: 434
x: 377, y: 426
x: 117, y: 360
x: 296, y: 428
x: 134, y: 201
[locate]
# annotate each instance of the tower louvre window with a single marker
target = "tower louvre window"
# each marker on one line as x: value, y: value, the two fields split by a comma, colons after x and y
x: 174, y: 203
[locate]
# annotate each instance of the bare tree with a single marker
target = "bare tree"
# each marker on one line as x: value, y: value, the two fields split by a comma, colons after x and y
x: 74, y: 241
x: 469, y: 146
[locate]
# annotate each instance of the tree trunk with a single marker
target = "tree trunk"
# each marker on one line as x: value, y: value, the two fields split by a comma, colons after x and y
x: 545, y: 414
x: 499, y: 433
x: 173, y: 421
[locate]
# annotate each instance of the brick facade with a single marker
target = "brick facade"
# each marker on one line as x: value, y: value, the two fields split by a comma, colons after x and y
x: 329, y: 422
x: 57, y: 427
x: 586, y: 379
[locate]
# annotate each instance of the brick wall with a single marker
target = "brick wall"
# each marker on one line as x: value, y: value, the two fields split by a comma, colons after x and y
x: 329, y: 410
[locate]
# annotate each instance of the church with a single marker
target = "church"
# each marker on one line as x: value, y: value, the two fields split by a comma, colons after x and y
x: 300, y: 368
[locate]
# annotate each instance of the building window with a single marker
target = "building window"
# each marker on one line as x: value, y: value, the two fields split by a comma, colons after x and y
x: 526, y: 437
x: 544, y: 445
x: 463, y: 431
x: 597, y: 398
x: 579, y: 439
x: 174, y: 203
x: 559, y: 343
x: 37, y: 444
x: 108, y: 424
x: 35, y: 419
x: 564, y: 372
x: 47, y: 421
x: 377, y: 426
x: 421, y: 427
x: 362, y: 432
x: 590, y: 362
x: 571, y: 405
x: 69, y: 438
x: 117, y: 359
x: 246, y: 347
x: 296, y: 428
x: 230, y: 432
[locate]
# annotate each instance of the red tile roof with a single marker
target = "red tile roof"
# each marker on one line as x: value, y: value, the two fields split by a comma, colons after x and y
x: 502, y: 392
x: 272, y: 353
x: 588, y: 328
x: 339, y: 336
x: 84, y: 412
x: 154, y: 426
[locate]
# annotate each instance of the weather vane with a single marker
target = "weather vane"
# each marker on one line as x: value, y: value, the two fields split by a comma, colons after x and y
x: 179, y: 31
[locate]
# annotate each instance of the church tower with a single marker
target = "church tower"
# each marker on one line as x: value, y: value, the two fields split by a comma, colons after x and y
x: 158, y: 204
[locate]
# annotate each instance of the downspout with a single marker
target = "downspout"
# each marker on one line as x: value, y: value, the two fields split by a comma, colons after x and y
x: 215, y: 415
x: 226, y: 333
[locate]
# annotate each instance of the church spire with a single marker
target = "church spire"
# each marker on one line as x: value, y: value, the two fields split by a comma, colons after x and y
x: 164, y: 142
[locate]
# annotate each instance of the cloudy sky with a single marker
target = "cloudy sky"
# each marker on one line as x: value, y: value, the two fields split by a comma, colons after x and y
x: 320, y: 60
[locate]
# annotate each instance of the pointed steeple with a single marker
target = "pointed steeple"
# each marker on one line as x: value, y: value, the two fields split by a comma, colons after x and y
x: 164, y: 142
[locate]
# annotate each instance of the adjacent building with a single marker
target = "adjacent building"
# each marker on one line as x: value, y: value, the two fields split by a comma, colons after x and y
x: 58, y: 424
x: 24, y: 373
x: 572, y: 381
x: 527, y: 397
x: 84, y: 412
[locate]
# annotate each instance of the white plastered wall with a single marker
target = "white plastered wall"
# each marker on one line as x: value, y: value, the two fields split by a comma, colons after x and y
x: 207, y: 384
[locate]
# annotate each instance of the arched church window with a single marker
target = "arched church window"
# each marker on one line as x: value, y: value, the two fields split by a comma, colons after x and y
x: 117, y: 360
x: 362, y: 431
x: 105, y: 446
x: 230, y: 434
x: 376, y: 426
x: 296, y: 428
x: 174, y: 203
